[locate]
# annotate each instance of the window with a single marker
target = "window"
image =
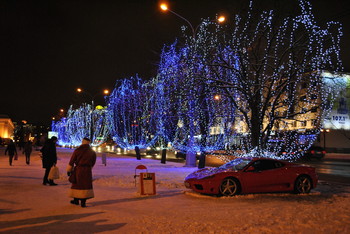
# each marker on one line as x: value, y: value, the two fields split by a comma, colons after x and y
x: 262, y: 165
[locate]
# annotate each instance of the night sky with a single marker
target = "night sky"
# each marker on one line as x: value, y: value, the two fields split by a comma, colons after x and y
x: 49, y: 48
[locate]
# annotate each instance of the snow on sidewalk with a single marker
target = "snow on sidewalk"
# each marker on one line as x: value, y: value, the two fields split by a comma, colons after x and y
x: 27, y: 206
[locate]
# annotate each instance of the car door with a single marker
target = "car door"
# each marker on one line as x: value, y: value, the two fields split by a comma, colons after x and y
x: 267, y: 176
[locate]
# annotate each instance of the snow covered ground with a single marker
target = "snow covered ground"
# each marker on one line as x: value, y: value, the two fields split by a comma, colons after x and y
x: 27, y: 206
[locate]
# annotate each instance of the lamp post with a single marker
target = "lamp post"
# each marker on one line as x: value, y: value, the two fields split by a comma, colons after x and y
x: 190, y: 154
x: 164, y: 7
x: 325, y: 131
x: 105, y: 92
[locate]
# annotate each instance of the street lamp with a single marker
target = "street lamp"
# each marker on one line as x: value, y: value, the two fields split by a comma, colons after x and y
x: 325, y: 131
x: 164, y: 7
x: 105, y: 92
x: 221, y: 19
x: 190, y: 158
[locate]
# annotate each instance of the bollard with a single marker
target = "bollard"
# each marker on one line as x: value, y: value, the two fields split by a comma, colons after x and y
x: 201, y: 163
x: 163, y: 156
x: 104, y: 159
x: 138, y: 155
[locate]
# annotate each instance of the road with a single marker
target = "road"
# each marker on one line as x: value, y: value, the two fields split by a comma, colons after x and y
x: 332, y: 169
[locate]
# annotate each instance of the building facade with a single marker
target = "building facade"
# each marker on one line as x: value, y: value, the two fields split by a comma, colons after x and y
x: 6, y: 128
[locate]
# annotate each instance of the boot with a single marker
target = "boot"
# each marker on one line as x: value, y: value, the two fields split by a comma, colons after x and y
x: 75, y: 201
x: 52, y: 183
x: 83, y: 202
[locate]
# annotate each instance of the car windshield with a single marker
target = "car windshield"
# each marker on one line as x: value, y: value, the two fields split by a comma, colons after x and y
x: 237, y: 164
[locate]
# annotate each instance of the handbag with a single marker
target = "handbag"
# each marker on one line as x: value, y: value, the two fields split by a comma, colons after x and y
x: 54, y: 173
x: 72, y: 178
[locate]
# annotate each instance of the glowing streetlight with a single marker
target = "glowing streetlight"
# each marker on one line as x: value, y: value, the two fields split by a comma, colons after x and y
x: 324, y: 131
x: 164, y: 7
x: 61, y: 110
x: 221, y: 19
x: 217, y: 97
x: 80, y: 90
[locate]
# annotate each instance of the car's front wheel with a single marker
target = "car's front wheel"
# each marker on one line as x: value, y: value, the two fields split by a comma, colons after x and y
x: 303, y: 184
x: 229, y: 187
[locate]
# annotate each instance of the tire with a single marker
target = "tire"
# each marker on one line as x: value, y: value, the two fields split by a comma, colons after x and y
x: 229, y: 187
x: 303, y: 184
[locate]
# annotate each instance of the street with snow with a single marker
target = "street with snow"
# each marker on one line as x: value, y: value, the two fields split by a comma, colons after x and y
x: 27, y: 206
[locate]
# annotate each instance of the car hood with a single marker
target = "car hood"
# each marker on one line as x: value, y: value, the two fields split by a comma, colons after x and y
x: 205, y: 172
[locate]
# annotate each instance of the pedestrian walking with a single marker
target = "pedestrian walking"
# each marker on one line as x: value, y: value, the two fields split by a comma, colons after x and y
x: 49, y: 158
x: 11, y: 150
x: 80, y: 168
x: 27, y: 150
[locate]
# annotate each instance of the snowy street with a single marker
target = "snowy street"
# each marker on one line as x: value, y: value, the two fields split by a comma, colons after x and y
x: 27, y: 206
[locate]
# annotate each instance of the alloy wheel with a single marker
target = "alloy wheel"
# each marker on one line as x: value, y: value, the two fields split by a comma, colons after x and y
x: 229, y: 187
x: 303, y: 185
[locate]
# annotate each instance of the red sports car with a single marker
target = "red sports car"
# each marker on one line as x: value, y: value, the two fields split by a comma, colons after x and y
x: 253, y: 175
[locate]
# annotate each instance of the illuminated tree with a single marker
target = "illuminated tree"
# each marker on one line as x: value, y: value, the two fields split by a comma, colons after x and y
x: 128, y: 116
x: 82, y: 122
x: 269, y: 67
x: 193, y: 109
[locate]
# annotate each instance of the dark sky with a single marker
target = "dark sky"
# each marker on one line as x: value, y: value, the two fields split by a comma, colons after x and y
x: 49, y: 48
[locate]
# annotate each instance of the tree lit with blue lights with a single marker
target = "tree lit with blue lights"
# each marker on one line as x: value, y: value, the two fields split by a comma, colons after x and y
x: 270, y: 70
x: 253, y: 85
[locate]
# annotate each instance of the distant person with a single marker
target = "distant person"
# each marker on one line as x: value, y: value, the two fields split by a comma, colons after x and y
x: 11, y: 150
x: 27, y: 150
x: 49, y: 157
x: 20, y: 145
x: 81, y: 164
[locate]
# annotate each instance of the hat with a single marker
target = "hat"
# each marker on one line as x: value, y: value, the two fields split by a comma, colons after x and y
x: 87, y: 139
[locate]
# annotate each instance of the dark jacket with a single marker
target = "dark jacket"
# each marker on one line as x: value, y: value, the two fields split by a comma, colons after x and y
x: 49, y: 154
x: 11, y: 149
x: 28, y: 147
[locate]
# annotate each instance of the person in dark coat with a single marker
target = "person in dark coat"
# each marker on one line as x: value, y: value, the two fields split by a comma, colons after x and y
x: 49, y: 158
x: 27, y: 150
x: 82, y: 162
x: 11, y: 150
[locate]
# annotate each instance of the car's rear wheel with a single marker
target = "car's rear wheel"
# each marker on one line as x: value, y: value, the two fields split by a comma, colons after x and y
x: 303, y: 184
x: 229, y: 187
